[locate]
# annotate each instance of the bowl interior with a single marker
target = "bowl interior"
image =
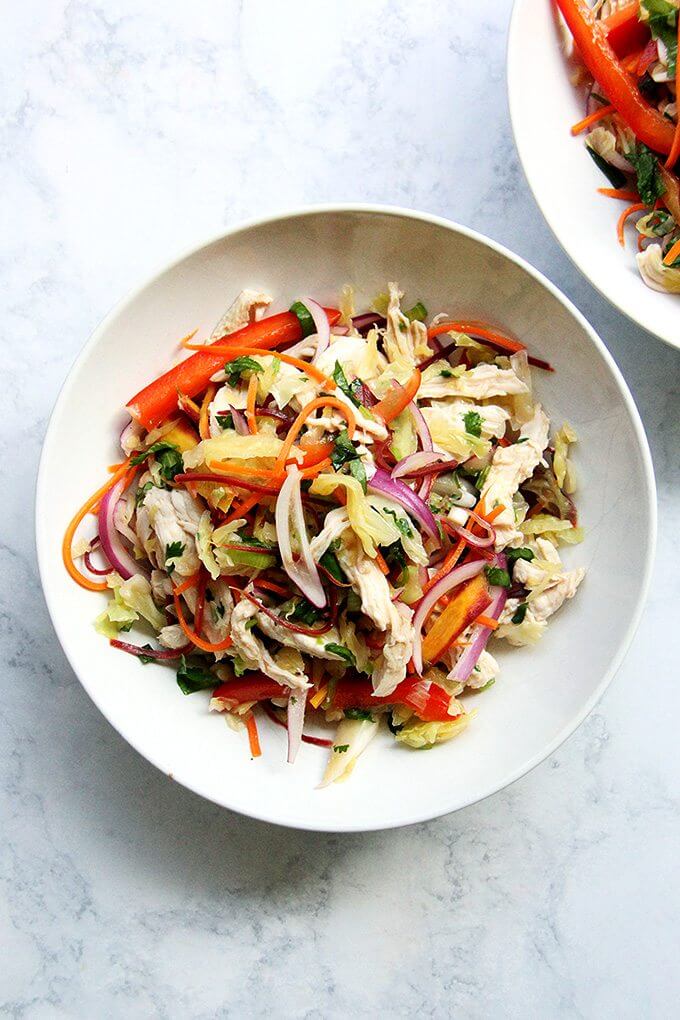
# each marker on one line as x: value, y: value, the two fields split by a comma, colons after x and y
x: 542, y: 693
x: 564, y: 180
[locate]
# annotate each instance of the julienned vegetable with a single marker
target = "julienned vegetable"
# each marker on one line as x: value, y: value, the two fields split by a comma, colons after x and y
x: 633, y: 127
x: 320, y: 533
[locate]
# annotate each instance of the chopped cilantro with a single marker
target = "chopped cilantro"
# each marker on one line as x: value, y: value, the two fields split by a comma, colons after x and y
x: 418, y: 313
x: 193, y: 678
x: 649, y: 181
x: 305, y: 317
x: 239, y: 666
x: 342, y: 652
x: 235, y: 368
x: 225, y: 420
x: 168, y: 456
x: 144, y: 659
x: 303, y: 612
x: 524, y: 439
x: 394, y: 555
x: 173, y: 551
x: 498, y: 576
x: 343, y: 450
x: 473, y: 422
x: 447, y: 373
x: 141, y: 493
x: 520, y: 613
x: 341, y: 381
x: 329, y: 561
x: 340, y: 748
x: 519, y: 554
x: 358, y: 713
x: 401, y: 522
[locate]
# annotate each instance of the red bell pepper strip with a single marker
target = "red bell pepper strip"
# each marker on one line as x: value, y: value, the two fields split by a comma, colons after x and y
x: 625, y: 32
x: 156, y: 401
x: 431, y: 704
x: 397, y: 398
x: 472, y: 599
x: 590, y: 38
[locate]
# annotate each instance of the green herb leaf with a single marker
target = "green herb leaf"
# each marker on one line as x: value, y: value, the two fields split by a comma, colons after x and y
x: 520, y: 613
x: 144, y: 659
x: 662, y: 23
x: 486, y: 686
x: 329, y: 561
x: 303, y: 612
x: 519, y: 554
x: 341, y: 381
x: 225, y: 420
x: 473, y: 422
x: 340, y: 748
x: 358, y: 471
x: 616, y: 178
x: 446, y: 373
x: 394, y: 555
x: 240, y: 669
x: 401, y: 522
x: 498, y: 576
x: 358, y: 713
x: 141, y: 493
x: 417, y: 313
x: 168, y: 456
x: 342, y: 652
x: 649, y: 182
x: 343, y: 450
x: 173, y: 551
x: 192, y: 678
x: 305, y: 316
x: 235, y: 368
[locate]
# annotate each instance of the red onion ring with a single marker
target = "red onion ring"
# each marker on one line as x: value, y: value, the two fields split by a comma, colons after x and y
x: 362, y: 323
x: 478, y: 541
x: 295, y: 627
x: 239, y: 420
x: 468, y: 660
x: 112, y: 545
x: 306, y: 738
x: 394, y: 488
x: 428, y: 601
x: 322, y: 325
x: 151, y: 653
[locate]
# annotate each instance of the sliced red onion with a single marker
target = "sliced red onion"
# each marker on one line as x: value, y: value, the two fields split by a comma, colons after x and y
x: 323, y: 326
x: 480, y: 635
x: 362, y: 323
x: 451, y: 580
x: 396, y: 489
x: 304, y: 573
x: 422, y: 458
x: 297, y: 702
x: 239, y: 420
x: 159, y: 654
x: 131, y: 437
x: 422, y: 429
x: 306, y: 738
x: 89, y: 564
x: 112, y: 545
x: 479, y: 541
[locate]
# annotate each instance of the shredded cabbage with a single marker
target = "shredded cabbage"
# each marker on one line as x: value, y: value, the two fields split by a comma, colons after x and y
x: 553, y: 528
x: 655, y: 274
x: 371, y: 527
x: 232, y: 446
x: 442, y: 423
x: 131, y: 599
x: 422, y: 735
x: 528, y: 632
x: 404, y: 439
x: 352, y: 738
x: 204, y: 547
x: 562, y: 466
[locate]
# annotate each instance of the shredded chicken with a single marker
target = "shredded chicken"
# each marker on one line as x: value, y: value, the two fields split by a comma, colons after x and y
x: 405, y: 341
x: 253, y: 652
x: 168, y: 520
x: 248, y: 306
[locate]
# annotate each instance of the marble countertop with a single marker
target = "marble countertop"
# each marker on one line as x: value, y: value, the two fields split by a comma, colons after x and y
x: 130, y: 130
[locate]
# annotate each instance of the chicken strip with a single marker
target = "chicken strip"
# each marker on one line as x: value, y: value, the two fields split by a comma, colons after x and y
x: 253, y: 652
x: 167, y: 522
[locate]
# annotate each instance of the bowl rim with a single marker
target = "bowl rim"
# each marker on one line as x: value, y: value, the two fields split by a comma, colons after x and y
x: 650, y: 498
x: 511, y: 60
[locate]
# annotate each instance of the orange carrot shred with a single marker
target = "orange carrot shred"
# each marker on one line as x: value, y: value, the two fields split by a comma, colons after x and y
x: 253, y: 736
x: 636, y: 207
x: 487, y: 621
x: 622, y: 193
x: 672, y: 254
x: 250, y: 404
x: 88, y: 506
x: 592, y: 118
x: 237, y: 351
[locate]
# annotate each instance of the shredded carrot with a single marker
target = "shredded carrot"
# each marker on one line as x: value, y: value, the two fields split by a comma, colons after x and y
x: 625, y: 196
x: 592, y: 118
x: 492, y: 514
x: 478, y: 329
x: 237, y: 351
x: 189, y: 407
x: 250, y: 404
x: 189, y: 582
x: 631, y: 62
x: 672, y: 254
x: 114, y: 467
x: 380, y: 561
x: 452, y: 558
x: 293, y: 432
x: 253, y: 736
x: 243, y: 508
x: 316, y: 469
x: 319, y: 696
x: 203, y: 421
x: 88, y: 506
x: 186, y: 340
x: 271, y: 586
x: 675, y: 148
x: 636, y: 207
x: 206, y: 646
x: 230, y: 467
x: 487, y: 621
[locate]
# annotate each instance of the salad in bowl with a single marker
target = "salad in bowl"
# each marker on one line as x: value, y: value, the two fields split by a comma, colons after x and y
x: 331, y: 517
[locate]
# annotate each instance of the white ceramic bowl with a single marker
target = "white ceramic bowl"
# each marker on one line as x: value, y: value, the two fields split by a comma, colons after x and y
x: 563, y: 178
x: 543, y: 693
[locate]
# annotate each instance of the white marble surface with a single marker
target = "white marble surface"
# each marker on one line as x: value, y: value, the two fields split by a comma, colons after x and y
x: 131, y: 129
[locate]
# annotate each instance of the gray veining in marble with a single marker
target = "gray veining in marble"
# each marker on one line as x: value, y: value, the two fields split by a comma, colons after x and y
x: 130, y: 130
